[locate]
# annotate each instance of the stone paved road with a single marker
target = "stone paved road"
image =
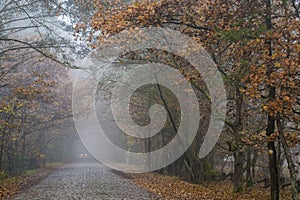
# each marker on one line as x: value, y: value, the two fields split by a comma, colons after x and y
x: 84, y: 181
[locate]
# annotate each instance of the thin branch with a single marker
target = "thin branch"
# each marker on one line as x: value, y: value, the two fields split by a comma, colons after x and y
x: 5, y: 6
x: 189, y: 25
x: 23, y: 18
x: 19, y: 27
x: 41, y: 52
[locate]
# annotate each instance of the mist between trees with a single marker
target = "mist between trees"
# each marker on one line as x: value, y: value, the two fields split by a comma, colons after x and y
x: 256, y: 48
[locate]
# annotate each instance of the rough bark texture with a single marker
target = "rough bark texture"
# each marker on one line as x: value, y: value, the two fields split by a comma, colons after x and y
x: 288, y: 156
x: 238, y: 172
x: 271, y: 119
x: 238, y: 153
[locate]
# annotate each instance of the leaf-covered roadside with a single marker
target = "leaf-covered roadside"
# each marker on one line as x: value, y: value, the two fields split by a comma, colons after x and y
x: 12, y: 185
x: 173, y: 188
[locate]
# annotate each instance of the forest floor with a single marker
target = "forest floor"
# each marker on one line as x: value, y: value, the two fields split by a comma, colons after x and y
x: 12, y: 185
x: 95, y: 181
x: 173, y: 188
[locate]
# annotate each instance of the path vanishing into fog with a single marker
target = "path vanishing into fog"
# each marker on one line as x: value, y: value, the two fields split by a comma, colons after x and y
x: 84, y: 181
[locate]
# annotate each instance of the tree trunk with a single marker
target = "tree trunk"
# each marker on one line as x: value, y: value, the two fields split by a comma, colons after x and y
x: 288, y: 157
x: 238, y: 171
x: 249, y: 180
x: 2, y: 149
x: 237, y: 149
x: 188, y: 166
x: 253, y: 164
x: 272, y: 160
x: 271, y: 119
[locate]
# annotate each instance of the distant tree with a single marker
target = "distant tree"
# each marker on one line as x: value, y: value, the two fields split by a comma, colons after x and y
x: 35, y: 100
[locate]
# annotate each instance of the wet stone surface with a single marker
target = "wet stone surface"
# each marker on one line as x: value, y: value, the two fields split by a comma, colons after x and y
x: 84, y: 181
